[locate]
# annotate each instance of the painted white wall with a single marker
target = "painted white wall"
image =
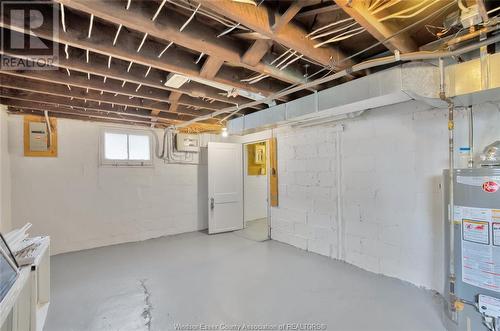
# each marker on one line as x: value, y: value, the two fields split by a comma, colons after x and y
x: 384, y: 171
x: 81, y: 205
x: 5, y: 211
x: 255, y: 192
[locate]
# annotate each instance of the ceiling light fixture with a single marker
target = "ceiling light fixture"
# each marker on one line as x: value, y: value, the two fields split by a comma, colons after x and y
x: 175, y: 80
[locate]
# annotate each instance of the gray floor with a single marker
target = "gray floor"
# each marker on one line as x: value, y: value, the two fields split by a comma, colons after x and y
x: 256, y: 230
x: 196, y: 278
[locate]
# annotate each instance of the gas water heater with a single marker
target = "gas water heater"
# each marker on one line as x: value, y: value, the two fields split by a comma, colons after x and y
x: 474, y: 291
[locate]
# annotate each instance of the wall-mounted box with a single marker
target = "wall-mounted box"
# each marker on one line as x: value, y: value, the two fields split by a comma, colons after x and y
x: 39, y: 141
x: 187, y: 142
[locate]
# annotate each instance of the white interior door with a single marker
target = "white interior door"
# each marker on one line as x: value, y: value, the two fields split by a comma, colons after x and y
x: 225, y: 187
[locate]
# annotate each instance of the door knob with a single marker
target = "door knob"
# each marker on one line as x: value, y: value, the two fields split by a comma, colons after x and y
x: 212, y: 203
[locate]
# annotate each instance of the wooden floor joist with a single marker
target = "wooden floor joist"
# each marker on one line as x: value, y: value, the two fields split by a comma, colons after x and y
x: 25, y: 84
x: 210, y: 67
x: 260, y: 19
x: 80, y: 117
x: 166, y: 26
x: 90, y: 104
x: 69, y: 111
x: 358, y: 10
x: 257, y: 51
x: 114, y: 57
x: 101, y: 41
x: 194, y: 93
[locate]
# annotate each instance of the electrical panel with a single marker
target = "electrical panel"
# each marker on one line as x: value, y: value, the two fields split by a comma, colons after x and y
x: 256, y: 156
x: 38, y: 137
x: 187, y: 142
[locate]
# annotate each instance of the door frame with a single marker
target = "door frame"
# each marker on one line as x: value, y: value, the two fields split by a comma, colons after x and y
x: 268, y: 173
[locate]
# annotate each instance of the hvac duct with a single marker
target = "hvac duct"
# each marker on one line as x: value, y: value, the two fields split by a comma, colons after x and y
x: 468, y: 83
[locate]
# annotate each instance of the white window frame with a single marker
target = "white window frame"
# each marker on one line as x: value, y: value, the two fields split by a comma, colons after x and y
x: 124, y: 163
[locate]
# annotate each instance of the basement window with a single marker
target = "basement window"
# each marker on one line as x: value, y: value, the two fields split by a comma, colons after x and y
x: 129, y: 148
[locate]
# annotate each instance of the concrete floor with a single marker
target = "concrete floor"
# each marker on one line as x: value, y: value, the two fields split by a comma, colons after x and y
x: 196, y: 278
x: 256, y: 230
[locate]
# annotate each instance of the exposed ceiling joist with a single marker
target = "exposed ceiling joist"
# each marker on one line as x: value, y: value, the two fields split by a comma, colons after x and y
x: 257, y: 51
x: 174, y: 101
x: 111, y: 86
x: 210, y: 67
x: 292, y: 36
x: 194, y: 92
x: 317, y: 11
x: 67, y: 110
x: 125, y: 49
x: 196, y: 35
x: 358, y: 9
x: 25, y: 84
x: 287, y: 16
x: 80, y: 117
x: 89, y: 105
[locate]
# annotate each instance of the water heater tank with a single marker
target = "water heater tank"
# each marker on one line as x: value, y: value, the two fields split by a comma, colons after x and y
x: 476, y: 245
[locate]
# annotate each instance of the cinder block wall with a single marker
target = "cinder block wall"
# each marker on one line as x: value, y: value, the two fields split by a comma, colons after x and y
x: 82, y: 205
x: 384, y: 172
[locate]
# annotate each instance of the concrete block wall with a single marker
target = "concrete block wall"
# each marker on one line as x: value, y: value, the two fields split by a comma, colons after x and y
x: 82, y: 205
x: 387, y: 166
x: 307, y: 212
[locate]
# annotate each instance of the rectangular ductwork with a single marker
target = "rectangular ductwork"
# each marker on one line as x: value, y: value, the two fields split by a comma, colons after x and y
x: 394, y: 85
x: 475, y: 81
x: 410, y: 81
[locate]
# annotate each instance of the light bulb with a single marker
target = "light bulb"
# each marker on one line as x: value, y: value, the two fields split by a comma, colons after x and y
x: 224, y: 132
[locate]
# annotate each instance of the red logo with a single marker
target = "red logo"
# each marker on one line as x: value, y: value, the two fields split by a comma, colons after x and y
x: 490, y: 187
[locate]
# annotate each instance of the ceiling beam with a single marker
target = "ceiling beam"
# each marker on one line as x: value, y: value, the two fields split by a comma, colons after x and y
x: 98, y: 106
x: 317, y: 11
x: 166, y: 26
x: 194, y: 92
x: 210, y: 67
x: 199, y: 127
x: 174, y: 101
x: 25, y: 84
x: 101, y: 41
x: 358, y: 10
x: 24, y: 111
x: 89, y: 105
x: 257, y: 51
x: 260, y: 19
x: 81, y: 80
x: 287, y: 16
x: 67, y: 110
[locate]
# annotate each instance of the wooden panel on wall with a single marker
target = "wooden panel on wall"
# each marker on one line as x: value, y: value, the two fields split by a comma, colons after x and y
x: 273, y: 176
x: 52, y: 150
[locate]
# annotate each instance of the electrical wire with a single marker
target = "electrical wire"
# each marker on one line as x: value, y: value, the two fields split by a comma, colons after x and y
x: 300, y: 86
x: 329, y: 25
x: 493, y: 10
x: 342, y: 36
x: 324, y: 34
x: 190, y: 18
x: 221, y: 19
x: 398, y: 14
x: 385, y: 6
